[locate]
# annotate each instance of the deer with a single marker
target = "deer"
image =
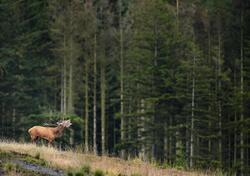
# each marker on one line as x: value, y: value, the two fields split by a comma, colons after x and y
x: 48, y: 133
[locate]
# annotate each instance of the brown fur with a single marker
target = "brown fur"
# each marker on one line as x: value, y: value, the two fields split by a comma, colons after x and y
x: 47, y: 133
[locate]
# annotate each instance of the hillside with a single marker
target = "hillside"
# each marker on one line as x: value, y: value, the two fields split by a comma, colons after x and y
x: 70, y: 161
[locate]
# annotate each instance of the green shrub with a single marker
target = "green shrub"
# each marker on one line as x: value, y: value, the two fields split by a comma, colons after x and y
x: 35, y: 160
x: 85, y: 169
x: 99, y: 173
x: 8, y: 167
x: 70, y: 174
x: 79, y: 173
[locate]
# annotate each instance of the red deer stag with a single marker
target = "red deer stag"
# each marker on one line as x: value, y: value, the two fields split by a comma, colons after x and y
x: 48, y: 133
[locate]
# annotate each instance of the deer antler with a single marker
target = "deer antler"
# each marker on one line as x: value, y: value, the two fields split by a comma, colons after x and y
x: 65, y: 123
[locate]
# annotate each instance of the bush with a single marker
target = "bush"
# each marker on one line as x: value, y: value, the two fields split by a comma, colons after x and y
x: 79, y: 173
x: 99, y: 173
x: 85, y: 169
x: 8, y: 167
x: 70, y: 174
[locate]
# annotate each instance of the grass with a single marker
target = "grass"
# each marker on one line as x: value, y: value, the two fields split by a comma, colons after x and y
x: 11, y: 169
x: 100, y: 166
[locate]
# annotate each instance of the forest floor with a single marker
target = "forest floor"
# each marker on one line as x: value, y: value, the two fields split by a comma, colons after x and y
x: 29, y: 158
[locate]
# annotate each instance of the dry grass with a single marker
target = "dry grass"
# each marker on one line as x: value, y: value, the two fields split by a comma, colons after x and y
x: 75, y: 160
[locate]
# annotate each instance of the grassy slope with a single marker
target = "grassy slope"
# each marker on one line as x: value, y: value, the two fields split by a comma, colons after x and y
x: 74, y: 160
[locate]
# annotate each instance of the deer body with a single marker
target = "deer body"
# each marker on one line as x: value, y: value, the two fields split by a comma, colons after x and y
x: 48, y: 133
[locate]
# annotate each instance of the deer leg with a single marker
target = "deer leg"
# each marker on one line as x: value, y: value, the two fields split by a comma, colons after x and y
x: 33, y: 139
x: 49, y: 143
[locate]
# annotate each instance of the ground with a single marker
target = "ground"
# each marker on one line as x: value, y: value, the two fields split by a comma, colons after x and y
x: 28, y: 159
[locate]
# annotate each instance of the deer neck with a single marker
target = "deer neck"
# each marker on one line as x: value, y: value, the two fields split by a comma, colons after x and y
x: 59, y: 131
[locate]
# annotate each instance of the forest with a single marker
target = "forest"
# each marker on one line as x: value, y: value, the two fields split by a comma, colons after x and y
x: 165, y: 81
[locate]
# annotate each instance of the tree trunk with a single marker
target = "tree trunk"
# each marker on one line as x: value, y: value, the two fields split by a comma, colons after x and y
x: 103, y: 107
x: 70, y: 100
x: 192, y: 116
x: 177, y: 15
x: 94, y: 99
x: 235, y: 119
x: 121, y: 79
x: 210, y: 89
x: 62, y: 90
x: 242, y: 93
x: 165, y: 140
x: 71, y: 139
x: 86, y: 107
x: 14, y: 122
x: 2, y: 119
x: 219, y: 96
x: 64, y: 80
x: 142, y: 130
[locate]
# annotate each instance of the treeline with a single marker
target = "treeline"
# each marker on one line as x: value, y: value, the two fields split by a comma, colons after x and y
x: 163, y: 80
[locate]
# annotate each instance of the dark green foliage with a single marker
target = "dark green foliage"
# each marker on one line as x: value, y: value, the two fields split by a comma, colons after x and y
x: 85, y: 169
x: 98, y: 173
x: 70, y: 174
x: 185, y: 76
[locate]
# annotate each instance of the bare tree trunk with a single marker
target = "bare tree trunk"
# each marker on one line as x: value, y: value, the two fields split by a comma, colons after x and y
x: 210, y: 89
x: 70, y: 100
x: 219, y: 96
x: 235, y: 141
x: 152, y: 105
x: 103, y: 107
x: 62, y: 90
x: 122, y: 79
x: 13, y: 122
x: 177, y: 15
x: 64, y: 80
x: 235, y: 120
x: 241, y: 93
x: 86, y: 107
x: 142, y: 130
x: 192, y: 116
x: 170, y: 147
x: 165, y: 140
x: 2, y: 119
x: 55, y: 96
x: 71, y: 139
x: 94, y: 103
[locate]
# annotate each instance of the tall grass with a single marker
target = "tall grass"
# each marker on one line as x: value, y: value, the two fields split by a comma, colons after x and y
x: 72, y: 160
